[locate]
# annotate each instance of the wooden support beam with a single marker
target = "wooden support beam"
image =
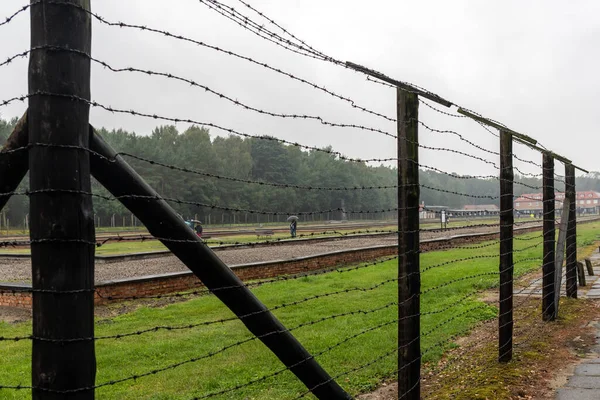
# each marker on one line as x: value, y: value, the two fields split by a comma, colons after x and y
x: 409, y: 278
x: 62, y: 227
x: 562, y: 159
x: 500, y: 127
x: 580, y: 273
x: 519, y: 137
x: 399, y: 84
x: 163, y: 222
x: 530, y: 145
x: 589, y: 266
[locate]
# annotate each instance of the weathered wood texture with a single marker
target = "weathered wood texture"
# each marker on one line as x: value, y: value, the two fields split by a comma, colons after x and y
x: 61, y: 216
x: 560, y: 251
x: 505, y: 319
x: 571, y: 246
x: 163, y: 222
x: 14, y: 162
x: 581, y: 273
x: 409, y: 279
x: 548, y: 287
x: 589, y: 266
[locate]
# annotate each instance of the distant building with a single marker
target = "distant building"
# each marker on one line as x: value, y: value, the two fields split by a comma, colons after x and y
x: 476, y: 210
x: 588, y: 202
x: 430, y: 212
x: 479, y: 210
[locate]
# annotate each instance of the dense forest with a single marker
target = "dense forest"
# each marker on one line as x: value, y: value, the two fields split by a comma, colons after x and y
x: 266, y: 161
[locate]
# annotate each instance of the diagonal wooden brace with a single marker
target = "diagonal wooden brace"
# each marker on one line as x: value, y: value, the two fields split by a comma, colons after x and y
x: 14, y: 164
x: 163, y: 222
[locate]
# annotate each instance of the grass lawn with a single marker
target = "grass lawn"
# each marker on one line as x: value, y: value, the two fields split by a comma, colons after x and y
x: 240, y: 364
x: 457, y: 222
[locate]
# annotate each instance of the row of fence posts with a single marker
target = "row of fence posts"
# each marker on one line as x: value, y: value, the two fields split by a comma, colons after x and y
x: 131, y: 221
x: 126, y: 221
x: 4, y: 223
x: 231, y: 220
x: 409, y: 349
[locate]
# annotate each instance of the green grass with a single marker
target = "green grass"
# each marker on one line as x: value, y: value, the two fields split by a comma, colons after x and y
x: 23, y: 231
x: 140, y: 354
x: 458, y: 222
x: 129, y: 247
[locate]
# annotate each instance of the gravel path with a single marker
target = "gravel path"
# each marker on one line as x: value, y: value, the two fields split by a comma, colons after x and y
x: 19, y: 270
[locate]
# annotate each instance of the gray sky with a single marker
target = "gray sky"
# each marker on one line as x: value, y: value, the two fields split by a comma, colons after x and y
x: 531, y: 64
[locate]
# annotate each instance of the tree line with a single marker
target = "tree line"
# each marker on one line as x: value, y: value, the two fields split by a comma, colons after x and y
x: 263, y: 160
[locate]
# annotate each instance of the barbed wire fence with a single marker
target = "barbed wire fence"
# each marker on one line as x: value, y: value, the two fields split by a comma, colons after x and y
x: 415, y: 304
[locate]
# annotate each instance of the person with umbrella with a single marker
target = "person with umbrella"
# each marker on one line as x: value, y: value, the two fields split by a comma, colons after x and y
x: 198, y: 227
x: 195, y: 225
x: 293, y: 225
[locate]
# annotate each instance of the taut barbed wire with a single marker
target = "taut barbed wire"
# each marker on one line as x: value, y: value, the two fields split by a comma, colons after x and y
x: 248, y: 24
x: 207, y: 89
x: 8, y: 19
x: 213, y: 125
x: 230, y: 99
x: 285, y: 31
x: 304, y: 187
x: 218, y: 49
x: 252, y: 211
x: 10, y: 59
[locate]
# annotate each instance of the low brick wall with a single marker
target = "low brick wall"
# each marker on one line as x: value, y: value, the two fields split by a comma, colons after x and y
x: 15, y: 295
x: 153, y: 285
x: 181, y: 281
x: 18, y: 295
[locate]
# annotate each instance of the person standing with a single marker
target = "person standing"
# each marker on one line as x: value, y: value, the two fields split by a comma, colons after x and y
x: 198, y: 229
x: 293, y: 226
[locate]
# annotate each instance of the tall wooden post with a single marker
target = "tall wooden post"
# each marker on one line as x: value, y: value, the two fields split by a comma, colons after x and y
x: 571, y: 232
x: 505, y: 319
x: 62, y: 226
x: 409, y: 278
x: 548, y: 290
x: 560, y: 252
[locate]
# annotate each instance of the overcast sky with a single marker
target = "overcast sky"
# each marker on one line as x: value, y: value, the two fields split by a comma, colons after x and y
x: 531, y: 64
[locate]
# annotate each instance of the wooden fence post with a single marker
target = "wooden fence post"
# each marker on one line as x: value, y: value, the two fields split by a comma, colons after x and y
x: 62, y: 225
x: 409, y: 278
x: 581, y: 274
x: 589, y: 266
x: 549, y: 237
x: 505, y: 319
x: 560, y: 252
x: 571, y: 281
